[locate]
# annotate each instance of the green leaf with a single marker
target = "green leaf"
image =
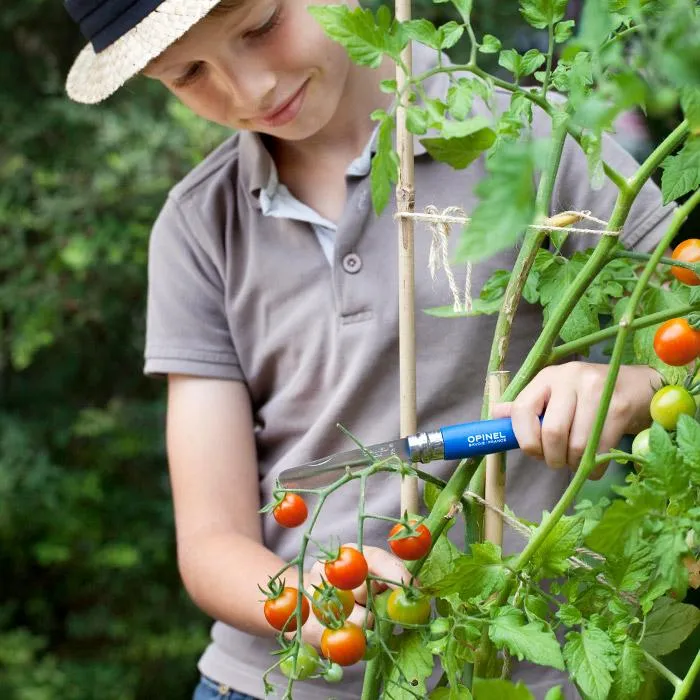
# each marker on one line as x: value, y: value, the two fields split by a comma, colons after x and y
x: 440, y: 561
x: 478, y: 574
x: 688, y: 439
x: 459, y: 98
x: 510, y: 59
x: 459, y: 692
x: 531, y: 61
x: 462, y: 143
x: 596, y: 23
x: 496, y: 689
x: 506, y: 206
x: 416, y: 120
x: 570, y: 615
x: 632, y: 568
x: 490, y: 44
x: 563, y: 31
x: 364, y: 39
x: 541, y: 13
x: 551, y: 559
x: 620, y: 521
x: 665, y: 469
x: 668, y: 625
x: 385, y: 166
x: 450, y: 34
x: 590, y: 655
x: 533, y: 641
x: 464, y: 7
x: 555, y: 693
x: 424, y: 31
x: 413, y: 665
x: 628, y: 677
x: 682, y: 171
x: 690, y: 103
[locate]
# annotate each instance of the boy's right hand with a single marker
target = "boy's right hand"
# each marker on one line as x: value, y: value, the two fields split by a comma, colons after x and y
x: 380, y: 563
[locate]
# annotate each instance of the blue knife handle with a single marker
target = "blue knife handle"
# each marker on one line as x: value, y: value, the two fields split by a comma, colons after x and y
x: 478, y: 438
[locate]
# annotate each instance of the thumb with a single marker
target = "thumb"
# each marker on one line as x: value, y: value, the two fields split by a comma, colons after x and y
x: 501, y: 410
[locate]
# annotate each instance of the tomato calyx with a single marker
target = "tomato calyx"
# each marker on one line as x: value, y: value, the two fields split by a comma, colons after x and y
x: 410, y: 539
x: 332, y: 605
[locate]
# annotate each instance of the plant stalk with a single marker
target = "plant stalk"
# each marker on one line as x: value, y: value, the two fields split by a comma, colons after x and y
x: 683, y: 690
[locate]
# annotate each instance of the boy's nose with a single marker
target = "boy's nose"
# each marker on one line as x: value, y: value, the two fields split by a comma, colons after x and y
x: 249, y: 84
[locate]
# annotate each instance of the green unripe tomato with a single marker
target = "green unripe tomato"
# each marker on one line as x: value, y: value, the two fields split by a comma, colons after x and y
x: 408, y: 609
x: 669, y: 403
x: 334, y: 674
x: 640, y: 445
x: 307, y: 663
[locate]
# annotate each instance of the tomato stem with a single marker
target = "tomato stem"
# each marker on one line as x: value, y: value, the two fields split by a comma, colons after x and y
x: 686, y: 685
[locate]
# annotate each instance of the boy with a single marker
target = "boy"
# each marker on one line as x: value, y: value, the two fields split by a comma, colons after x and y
x: 272, y: 304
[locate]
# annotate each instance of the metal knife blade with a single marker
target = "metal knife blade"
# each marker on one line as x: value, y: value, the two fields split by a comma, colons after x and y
x: 324, y: 471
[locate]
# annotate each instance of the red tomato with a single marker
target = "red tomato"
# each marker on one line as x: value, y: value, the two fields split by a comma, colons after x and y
x: 344, y: 646
x: 291, y: 511
x: 281, y: 608
x: 349, y: 570
x: 412, y: 547
x: 687, y: 251
x: 331, y: 605
x: 676, y: 342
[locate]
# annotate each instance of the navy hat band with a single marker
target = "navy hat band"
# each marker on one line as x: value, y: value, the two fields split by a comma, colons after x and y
x: 102, y: 22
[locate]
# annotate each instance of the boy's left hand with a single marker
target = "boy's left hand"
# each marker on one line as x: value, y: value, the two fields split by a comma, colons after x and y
x: 569, y: 395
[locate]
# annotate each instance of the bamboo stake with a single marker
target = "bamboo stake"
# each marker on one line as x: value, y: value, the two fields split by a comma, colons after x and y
x: 495, y: 469
x: 405, y: 201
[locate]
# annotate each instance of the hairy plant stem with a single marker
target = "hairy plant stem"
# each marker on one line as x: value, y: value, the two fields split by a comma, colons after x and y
x: 576, y: 346
x: 671, y: 677
x: 683, y: 690
x: 695, y: 267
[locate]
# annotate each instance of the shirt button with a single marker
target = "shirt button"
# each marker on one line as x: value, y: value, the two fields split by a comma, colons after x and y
x: 352, y: 263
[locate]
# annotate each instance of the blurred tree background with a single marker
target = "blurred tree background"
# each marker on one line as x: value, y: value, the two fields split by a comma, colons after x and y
x: 91, y: 606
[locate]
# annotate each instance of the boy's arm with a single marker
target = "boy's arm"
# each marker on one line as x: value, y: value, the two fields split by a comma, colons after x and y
x: 214, y: 474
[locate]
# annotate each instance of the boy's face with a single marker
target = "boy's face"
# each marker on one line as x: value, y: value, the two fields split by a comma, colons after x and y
x: 266, y: 66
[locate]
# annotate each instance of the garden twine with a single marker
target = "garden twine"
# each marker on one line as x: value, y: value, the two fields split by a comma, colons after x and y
x: 440, y: 225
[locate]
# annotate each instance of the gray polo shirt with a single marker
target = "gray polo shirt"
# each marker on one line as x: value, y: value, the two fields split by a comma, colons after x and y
x: 241, y: 289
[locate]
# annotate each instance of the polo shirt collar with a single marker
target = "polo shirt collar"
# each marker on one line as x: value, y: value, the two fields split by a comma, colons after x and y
x: 257, y: 169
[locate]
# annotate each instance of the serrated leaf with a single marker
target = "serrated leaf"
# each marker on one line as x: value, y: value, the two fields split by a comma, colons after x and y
x: 413, y: 662
x: 478, y: 574
x: 563, y: 31
x: 450, y: 34
x: 440, y: 561
x: 668, y: 625
x: 462, y: 143
x: 551, y: 559
x: 506, y: 205
x: 496, y: 689
x: 688, y: 440
x: 690, y: 103
x: 541, y: 13
x: 531, y: 61
x: 665, y: 470
x: 628, y: 570
x: 385, y: 167
x: 570, y: 615
x: 417, y: 120
x: 364, y: 39
x: 628, y: 676
x: 490, y: 44
x: 459, y: 98
x: 533, y: 641
x: 682, y: 171
x: 424, y: 31
x: 590, y: 655
x: 595, y: 24
x: 620, y: 522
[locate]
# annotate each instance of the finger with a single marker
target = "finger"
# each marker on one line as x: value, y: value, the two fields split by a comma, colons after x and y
x: 581, y: 429
x: 361, y: 617
x: 385, y: 565
x: 525, y: 413
x: 501, y: 410
x: 556, y: 426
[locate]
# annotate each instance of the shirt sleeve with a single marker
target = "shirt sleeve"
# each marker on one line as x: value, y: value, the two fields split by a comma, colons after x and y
x: 647, y: 219
x: 187, y: 331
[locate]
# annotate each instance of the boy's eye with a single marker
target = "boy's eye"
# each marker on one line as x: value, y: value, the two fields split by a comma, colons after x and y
x: 192, y: 73
x: 266, y: 27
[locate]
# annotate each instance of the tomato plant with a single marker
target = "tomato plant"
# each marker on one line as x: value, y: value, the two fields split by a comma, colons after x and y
x: 410, y: 547
x: 406, y: 607
x: 676, y: 342
x: 280, y: 609
x: 669, y: 403
x: 307, y: 662
x: 688, y: 251
x: 344, y: 646
x: 291, y: 511
x: 332, y: 605
x: 333, y: 674
x: 640, y: 444
x: 348, y: 570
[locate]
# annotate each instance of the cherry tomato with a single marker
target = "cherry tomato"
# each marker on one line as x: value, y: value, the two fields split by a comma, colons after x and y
x: 676, y: 342
x: 283, y: 607
x: 640, y: 444
x: 349, y: 570
x: 334, y: 674
x: 344, y: 646
x: 687, y: 251
x: 669, y: 402
x: 308, y: 662
x: 412, y: 547
x: 407, y: 608
x: 332, y: 605
x: 291, y: 511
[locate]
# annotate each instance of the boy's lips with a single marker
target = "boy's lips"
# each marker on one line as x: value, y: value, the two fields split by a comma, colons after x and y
x: 287, y: 110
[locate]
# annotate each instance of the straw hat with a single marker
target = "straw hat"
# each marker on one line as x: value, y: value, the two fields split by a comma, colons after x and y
x: 124, y: 36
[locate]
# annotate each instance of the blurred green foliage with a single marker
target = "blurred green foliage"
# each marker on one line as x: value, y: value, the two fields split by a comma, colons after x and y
x: 91, y: 605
